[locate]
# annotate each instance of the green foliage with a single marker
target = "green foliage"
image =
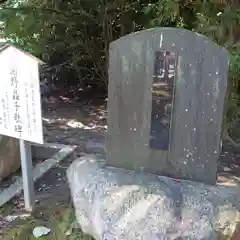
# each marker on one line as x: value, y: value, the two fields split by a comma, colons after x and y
x: 73, y: 36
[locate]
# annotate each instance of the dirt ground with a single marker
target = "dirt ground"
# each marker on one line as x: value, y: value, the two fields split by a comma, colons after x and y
x: 75, y: 123
x: 67, y: 123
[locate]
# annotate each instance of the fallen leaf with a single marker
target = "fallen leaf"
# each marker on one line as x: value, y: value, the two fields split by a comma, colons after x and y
x: 69, y: 232
x: 11, y: 218
x: 41, y: 231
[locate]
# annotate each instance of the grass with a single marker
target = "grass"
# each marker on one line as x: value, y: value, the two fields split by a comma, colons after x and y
x: 6, y: 209
x: 60, y: 222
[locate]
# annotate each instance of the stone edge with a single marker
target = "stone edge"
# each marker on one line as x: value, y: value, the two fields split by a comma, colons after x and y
x: 62, y: 152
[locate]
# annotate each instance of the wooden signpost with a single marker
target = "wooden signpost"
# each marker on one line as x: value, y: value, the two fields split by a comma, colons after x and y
x: 20, y: 104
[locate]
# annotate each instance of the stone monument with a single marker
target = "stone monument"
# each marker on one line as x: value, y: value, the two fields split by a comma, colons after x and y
x: 165, y: 106
x: 9, y: 156
x: 165, y: 103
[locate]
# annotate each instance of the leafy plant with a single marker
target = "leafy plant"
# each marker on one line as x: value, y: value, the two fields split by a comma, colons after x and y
x: 73, y: 36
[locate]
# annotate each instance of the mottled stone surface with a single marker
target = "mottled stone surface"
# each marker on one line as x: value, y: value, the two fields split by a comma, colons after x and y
x: 9, y: 156
x: 201, y: 81
x: 114, y: 203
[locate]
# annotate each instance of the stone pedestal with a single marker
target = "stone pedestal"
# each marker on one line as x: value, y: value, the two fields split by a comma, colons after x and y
x: 9, y: 156
x: 113, y: 203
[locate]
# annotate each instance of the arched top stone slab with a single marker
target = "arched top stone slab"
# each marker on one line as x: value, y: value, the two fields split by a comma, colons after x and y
x: 199, y: 93
x: 168, y: 32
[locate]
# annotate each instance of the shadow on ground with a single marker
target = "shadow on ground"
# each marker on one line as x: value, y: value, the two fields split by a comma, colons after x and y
x: 78, y: 123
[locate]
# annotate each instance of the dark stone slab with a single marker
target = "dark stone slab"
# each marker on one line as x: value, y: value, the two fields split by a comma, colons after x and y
x: 201, y: 82
x: 162, y: 99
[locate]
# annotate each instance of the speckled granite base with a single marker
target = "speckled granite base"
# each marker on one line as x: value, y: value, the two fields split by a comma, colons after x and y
x: 118, y: 204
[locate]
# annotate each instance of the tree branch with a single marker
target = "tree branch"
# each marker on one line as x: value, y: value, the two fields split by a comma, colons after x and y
x: 3, y: 1
x: 50, y: 11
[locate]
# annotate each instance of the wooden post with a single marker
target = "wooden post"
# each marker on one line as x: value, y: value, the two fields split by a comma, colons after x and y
x: 27, y: 175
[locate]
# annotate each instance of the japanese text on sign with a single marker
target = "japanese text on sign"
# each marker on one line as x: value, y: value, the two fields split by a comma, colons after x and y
x: 20, y: 96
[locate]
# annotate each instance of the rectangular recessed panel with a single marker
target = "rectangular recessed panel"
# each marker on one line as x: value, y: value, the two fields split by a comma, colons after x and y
x: 162, y: 99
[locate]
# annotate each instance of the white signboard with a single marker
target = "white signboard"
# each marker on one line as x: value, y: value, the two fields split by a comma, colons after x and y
x: 20, y: 106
